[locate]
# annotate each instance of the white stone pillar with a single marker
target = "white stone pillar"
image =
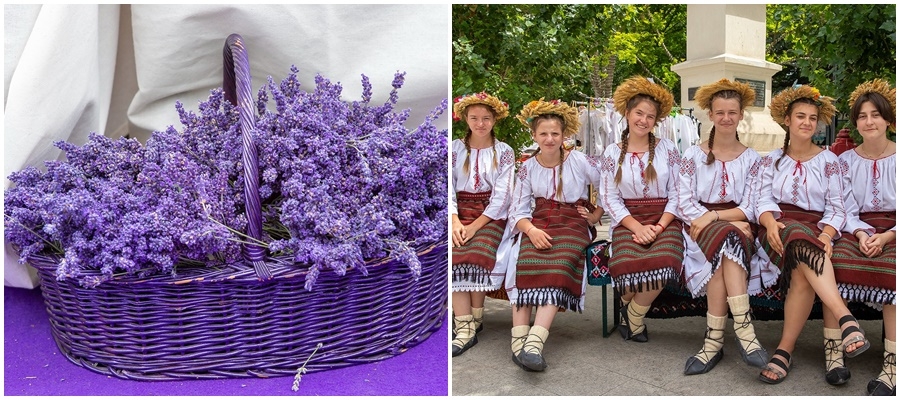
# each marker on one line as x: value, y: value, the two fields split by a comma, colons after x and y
x: 729, y: 41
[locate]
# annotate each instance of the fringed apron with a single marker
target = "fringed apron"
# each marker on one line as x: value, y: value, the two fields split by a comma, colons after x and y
x: 718, y: 239
x: 860, y: 278
x: 635, y: 267
x: 800, y: 241
x: 554, y: 276
x: 474, y: 262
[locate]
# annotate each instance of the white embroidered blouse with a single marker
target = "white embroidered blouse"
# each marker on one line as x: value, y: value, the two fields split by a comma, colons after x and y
x: 719, y: 182
x: 869, y: 186
x: 612, y: 197
x: 534, y: 181
x: 484, y: 176
x: 813, y: 185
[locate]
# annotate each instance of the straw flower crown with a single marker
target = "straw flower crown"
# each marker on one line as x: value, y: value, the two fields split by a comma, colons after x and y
x: 704, y: 95
x: 540, y: 107
x: 879, y: 86
x: 639, y: 85
x: 501, y: 109
x: 780, y: 102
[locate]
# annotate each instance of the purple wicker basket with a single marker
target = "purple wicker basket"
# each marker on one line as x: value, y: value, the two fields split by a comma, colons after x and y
x: 251, y: 319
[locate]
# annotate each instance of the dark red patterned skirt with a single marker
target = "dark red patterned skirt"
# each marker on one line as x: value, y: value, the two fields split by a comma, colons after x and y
x: 554, y: 276
x: 800, y: 240
x: 865, y: 279
x: 474, y: 261
x: 638, y: 267
x: 718, y: 234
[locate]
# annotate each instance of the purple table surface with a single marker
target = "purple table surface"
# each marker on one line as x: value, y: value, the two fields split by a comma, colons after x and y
x: 34, y: 365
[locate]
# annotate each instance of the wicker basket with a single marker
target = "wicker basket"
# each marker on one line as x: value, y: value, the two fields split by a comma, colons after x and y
x: 251, y: 319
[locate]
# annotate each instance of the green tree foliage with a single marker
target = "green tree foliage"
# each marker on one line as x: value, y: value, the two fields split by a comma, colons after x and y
x: 834, y: 47
x: 523, y: 52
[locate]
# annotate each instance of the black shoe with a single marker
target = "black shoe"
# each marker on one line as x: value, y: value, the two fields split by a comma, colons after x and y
x: 459, y: 350
x: 639, y: 337
x: 879, y: 388
x: 837, y: 376
x: 696, y: 366
x: 515, y: 358
x: 623, y: 322
x: 757, y: 358
x: 532, y: 361
x: 625, y: 328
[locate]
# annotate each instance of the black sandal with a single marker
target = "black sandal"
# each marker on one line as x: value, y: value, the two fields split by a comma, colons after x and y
x: 778, y: 363
x: 858, y: 337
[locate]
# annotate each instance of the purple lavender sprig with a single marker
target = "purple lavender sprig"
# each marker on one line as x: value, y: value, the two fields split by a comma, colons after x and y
x: 341, y: 183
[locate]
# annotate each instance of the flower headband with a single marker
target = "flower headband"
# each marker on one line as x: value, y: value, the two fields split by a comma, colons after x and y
x: 705, y: 94
x: 556, y: 107
x: 501, y: 109
x: 879, y: 86
x: 782, y: 101
x: 639, y: 85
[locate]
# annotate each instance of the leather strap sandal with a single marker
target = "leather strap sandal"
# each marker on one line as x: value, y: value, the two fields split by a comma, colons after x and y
x: 785, y: 368
x: 852, y: 334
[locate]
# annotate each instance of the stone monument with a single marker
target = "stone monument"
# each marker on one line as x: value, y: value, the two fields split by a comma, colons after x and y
x: 729, y: 41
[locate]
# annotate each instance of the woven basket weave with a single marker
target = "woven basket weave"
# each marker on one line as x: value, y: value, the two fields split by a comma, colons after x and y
x: 250, y: 319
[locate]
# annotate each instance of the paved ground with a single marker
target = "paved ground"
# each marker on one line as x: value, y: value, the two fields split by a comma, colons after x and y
x: 581, y: 362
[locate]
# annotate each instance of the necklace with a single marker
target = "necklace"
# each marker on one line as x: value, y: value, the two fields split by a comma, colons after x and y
x: 865, y: 153
x: 544, y: 164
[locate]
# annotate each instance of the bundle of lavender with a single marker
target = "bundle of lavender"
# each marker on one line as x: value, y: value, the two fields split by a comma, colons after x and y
x: 341, y: 182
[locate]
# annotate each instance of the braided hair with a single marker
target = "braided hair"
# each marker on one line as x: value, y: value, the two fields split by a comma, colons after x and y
x: 465, y: 115
x: 562, y: 123
x: 722, y: 94
x: 787, y: 134
x: 649, y: 171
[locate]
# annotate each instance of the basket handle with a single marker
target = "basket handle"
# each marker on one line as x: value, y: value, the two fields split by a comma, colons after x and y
x: 236, y: 85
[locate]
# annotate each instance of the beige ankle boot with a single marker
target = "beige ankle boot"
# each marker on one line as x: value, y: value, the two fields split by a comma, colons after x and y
x: 531, y: 355
x: 835, y: 371
x: 711, y: 353
x: 752, y: 352
x: 637, y: 331
x: 465, y: 334
x: 478, y: 314
x: 519, y: 333
x: 885, y: 384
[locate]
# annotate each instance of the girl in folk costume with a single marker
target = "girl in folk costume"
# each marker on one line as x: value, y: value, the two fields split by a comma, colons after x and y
x: 482, y: 184
x: 801, y: 212
x: 865, y: 259
x: 714, y: 198
x: 640, y: 194
x: 548, y: 272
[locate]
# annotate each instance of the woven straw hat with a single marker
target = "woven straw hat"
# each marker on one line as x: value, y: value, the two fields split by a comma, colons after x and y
x: 780, y: 102
x: 540, y: 107
x: 639, y: 85
x: 501, y: 109
x: 704, y: 95
x: 879, y: 86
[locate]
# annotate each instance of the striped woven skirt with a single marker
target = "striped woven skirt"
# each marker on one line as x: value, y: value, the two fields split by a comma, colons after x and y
x: 474, y: 263
x: 718, y: 239
x: 554, y: 276
x: 636, y: 267
x: 860, y: 278
x: 800, y: 240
